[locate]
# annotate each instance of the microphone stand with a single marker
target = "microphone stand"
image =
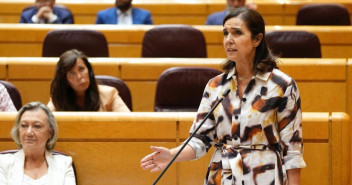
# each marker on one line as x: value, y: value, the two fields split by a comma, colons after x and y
x: 190, y: 137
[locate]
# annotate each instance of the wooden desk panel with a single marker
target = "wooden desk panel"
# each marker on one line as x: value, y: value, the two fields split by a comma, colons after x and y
x: 322, y: 82
x: 349, y: 87
x: 143, y: 95
x: 314, y: 69
x: 107, y: 147
x: 25, y: 40
x: 111, y: 163
x: 23, y: 67
x: 3, y: 70
x: 34, y: 90
x: 114, y: 157
x: 323, y: 96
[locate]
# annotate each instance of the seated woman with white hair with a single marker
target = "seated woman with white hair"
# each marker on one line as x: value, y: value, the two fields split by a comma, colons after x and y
x: 35, y: 132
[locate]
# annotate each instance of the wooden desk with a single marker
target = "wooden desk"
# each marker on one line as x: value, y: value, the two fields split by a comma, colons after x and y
x: 25, y: 40
x: 3, y: 65
x: 193, y: 12
x: 107, y: 147
x: 323, y: 83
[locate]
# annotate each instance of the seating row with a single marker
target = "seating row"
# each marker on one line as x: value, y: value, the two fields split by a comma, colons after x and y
x: 171, y: 12
x: 107, y: 147
x: 182, y: 41
x: 23, y: 40
x: 325, y: 84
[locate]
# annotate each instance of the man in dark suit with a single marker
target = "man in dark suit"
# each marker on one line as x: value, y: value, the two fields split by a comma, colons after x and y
x: 217, y: 17
x: 124, y: 14
x: 44, y: 11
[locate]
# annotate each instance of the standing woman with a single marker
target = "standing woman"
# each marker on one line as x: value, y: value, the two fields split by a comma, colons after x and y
x: 35, y: 132
x: 74, y: 87
x: 257, y: 129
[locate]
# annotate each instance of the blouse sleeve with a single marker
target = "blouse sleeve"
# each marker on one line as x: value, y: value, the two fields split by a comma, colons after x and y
x: 204, y: 138
x: 6, y: 103
x: 51, y: 105
x: 118, y: 105
x: 290, y: 127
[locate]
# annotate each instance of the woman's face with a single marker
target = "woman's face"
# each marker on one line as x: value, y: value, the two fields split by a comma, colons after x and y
x: 34, y: 129
x: 238, y: 42
x: 78, y: 77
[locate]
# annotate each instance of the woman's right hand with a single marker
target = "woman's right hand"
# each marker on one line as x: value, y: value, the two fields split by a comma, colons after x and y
x: 157, y: 160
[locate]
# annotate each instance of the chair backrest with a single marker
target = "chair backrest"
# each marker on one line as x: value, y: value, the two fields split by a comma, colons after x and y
x: 54, y: 153
x: 177, y: 41
x: 91, y: 42
x: 122, y: 88
x: 323, y: 14
x: 294, y: 44
x: 181, y: 89
x: 14, y: 94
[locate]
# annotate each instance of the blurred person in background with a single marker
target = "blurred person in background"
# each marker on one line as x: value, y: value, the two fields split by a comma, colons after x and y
x: 124, y: 14
x: 217, y: 17
x: 46, y: 12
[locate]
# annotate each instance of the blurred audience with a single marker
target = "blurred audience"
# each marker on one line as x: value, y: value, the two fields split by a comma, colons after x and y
x: 124, y: 14
x: 44, y: 12
x: 217, y: 17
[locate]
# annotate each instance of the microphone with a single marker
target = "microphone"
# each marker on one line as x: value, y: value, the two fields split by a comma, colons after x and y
x: 224, y: 94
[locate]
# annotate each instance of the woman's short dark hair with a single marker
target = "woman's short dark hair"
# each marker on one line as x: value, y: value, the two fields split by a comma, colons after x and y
x: 15, y: 132
x: 62, y: 94
x: 264, y: 61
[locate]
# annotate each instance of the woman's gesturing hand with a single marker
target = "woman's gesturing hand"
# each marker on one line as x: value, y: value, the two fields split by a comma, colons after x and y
x: 157, y: 160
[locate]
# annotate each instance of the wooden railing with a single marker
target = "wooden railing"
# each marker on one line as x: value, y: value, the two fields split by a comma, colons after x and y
x: 324, y: 84
x: 107, y: 147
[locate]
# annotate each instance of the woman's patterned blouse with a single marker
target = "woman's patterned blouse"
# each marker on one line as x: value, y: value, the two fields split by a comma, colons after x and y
x: 258, y: 136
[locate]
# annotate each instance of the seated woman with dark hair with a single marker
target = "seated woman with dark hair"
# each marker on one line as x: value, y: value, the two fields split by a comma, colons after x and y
x: 74, y: 87
x: 35, y: 132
